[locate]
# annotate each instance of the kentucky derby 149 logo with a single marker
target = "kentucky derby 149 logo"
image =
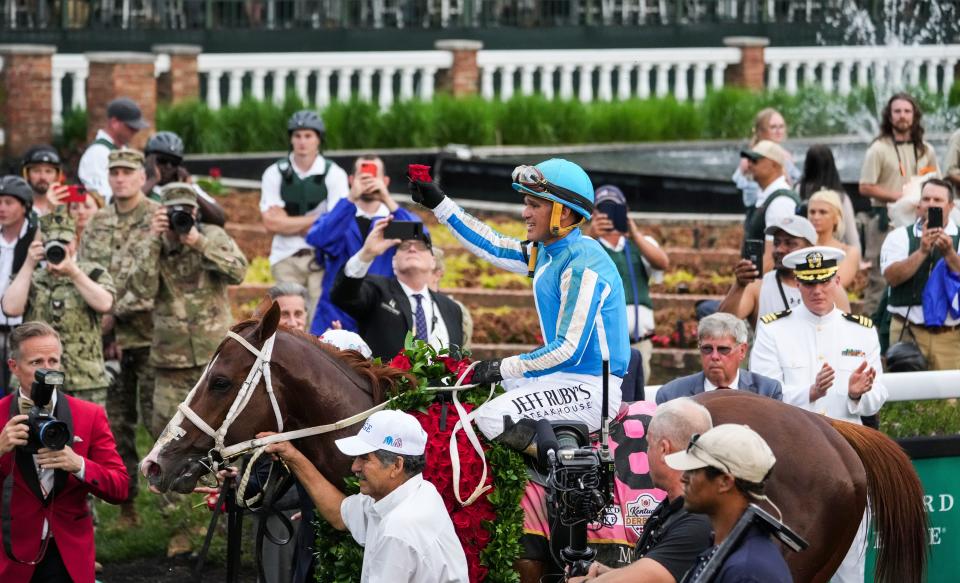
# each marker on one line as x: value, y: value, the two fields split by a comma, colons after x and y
x: 639, y: 511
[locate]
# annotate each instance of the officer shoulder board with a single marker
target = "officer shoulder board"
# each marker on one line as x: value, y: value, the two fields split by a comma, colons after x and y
x: 859, y: 319
x: 774, y: 316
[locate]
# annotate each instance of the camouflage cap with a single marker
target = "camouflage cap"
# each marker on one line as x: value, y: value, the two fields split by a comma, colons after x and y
x: 178, y: 193
x: 126, y: 158
x: 58, y: 225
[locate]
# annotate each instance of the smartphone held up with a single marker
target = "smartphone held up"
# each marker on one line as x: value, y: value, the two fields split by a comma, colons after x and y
x: 75, y: 193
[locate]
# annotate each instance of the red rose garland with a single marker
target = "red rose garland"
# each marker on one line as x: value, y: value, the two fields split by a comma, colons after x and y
x: 467, y: 521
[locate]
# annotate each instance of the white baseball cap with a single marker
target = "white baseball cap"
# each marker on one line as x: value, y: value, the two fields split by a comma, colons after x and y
x: 766, y: 149
x: 794, y: 225
x: 730, y: 448
x: 346, y: 340
x: 393, y: 431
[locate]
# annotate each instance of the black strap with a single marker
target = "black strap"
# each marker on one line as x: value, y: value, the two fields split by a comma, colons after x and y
x: 274, y: 489
x: 6, y: 519
x: 783, y: 295
x: 211, y: 529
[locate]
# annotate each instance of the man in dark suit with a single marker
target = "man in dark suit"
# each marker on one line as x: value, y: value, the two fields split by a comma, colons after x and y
x: 386, y: 309
x: 45, y: 493
x: 723, y: 346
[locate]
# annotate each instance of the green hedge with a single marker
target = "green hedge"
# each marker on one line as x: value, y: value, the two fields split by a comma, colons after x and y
x: 255, y: 126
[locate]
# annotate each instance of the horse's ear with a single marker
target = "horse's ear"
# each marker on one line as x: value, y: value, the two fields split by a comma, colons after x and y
x: 263, y: 307
x: 268, y: 325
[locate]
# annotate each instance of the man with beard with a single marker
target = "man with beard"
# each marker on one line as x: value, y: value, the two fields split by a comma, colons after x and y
x: 777, y: 290
x: 897, y: 155
x: 41, y: 168
x: 339, y: 233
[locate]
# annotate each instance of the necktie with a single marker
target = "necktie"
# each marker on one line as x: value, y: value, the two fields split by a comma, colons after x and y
x: 420, y: 319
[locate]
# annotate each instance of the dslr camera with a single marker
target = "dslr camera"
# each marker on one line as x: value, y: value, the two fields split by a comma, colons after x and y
x: 181, y: 218
x: 55, y: 251
x: 45, y: 429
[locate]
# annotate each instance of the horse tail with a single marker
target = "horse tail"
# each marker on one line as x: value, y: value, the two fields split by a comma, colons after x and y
x: 896, y: 500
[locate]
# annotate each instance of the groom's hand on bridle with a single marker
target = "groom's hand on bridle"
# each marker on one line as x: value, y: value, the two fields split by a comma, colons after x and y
x: 283, y: 451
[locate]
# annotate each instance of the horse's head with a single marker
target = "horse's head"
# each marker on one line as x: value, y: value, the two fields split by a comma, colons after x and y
x: 182, y: 453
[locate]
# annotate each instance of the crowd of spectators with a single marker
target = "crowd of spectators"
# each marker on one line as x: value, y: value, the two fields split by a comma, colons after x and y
x: 129, y: 276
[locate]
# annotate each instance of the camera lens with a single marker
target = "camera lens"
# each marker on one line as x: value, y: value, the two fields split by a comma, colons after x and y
x: 180, y: 221
x: 55, y: 252
x: 54, y: 434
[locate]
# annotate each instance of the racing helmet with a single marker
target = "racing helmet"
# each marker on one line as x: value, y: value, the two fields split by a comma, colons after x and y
x: 306, y: 119
x: 41, y: 154
x: 563, y: 183
x: 167, y: 143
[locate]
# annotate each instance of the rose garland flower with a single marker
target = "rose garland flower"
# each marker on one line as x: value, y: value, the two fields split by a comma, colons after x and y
x: 489, y: 529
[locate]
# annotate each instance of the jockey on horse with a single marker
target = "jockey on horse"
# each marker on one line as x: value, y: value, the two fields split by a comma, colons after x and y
x: 579, y: 299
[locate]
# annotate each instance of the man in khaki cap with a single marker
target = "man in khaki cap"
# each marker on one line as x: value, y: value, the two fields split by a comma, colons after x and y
x: 109, y: 239
x: 69, y: 295
x: 766, y: 163
x: 724, y: 470
x: 185, y: 267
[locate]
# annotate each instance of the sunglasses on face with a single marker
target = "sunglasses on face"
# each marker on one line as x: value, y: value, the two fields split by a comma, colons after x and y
x: 707, y: 349
x: 167, y: 161
x: 414, y: 244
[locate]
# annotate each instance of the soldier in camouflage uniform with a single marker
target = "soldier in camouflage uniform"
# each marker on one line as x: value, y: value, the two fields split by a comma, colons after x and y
x: 108, y: 240
x: 187, y: 276
x: 69, y: 295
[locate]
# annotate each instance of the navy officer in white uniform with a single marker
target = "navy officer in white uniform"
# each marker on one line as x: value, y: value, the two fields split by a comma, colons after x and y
x: 827, y: 360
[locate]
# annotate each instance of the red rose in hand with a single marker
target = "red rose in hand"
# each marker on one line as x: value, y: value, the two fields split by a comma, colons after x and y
x: 401, y: 361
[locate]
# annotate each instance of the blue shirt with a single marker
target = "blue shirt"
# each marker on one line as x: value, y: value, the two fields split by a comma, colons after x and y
x: 336, y: 237
x: 578, y: 294
x: 756, y: 560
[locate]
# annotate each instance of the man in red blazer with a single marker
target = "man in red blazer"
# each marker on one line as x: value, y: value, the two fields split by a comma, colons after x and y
x: 45, y: 519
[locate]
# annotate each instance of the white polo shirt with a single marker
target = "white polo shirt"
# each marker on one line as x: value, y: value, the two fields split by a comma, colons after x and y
x: 93, y: 169
x: 6, y: 272
x: 407, y: 536
x: 337, y: 185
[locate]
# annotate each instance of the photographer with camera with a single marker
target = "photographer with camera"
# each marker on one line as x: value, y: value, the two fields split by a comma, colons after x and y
x: 340, y: 232
x: 638, y: 258
x: 46, y: 488
x: 164, y: 164
x: 70, y: 295
x: 672, y: 537
x: 185, y: 267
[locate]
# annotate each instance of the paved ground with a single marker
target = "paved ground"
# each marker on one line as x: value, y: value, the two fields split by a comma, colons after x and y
x: 163, y: 570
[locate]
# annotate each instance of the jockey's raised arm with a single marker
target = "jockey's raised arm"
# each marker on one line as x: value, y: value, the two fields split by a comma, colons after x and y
x: 578, y: 294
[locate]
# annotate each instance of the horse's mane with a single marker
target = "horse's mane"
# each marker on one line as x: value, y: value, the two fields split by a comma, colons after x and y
x: 382, y: 379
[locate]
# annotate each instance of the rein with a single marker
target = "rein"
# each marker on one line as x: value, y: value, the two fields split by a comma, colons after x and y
x: 221, y: 453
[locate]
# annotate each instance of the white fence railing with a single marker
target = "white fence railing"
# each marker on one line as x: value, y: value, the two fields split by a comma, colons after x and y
x: 399, y: 75
x: 585, y: 75
x: 840, y: 69
x: 620, y: 74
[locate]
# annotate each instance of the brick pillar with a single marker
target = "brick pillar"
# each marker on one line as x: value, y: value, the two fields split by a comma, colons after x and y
x: 463, y: 76
x: 120, y: 74
x: 749, y: 73
x: 26, y: 82
x: 181, y: 82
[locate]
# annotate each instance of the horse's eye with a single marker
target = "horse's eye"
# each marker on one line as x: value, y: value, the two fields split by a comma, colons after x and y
x: 220, y: 384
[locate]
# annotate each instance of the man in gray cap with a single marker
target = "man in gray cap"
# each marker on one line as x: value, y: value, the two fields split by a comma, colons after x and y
x: 124, y: 120
x: 750, y: 295
x: 638, y: 258
x: 18, y: 227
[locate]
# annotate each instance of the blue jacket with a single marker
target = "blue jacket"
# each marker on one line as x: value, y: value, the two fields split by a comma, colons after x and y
x: 578, y: 294
x: 336, y: 237
x: 691, y: 385
x: 941, y: 295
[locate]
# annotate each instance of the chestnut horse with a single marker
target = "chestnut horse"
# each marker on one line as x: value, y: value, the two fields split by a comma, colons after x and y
x: 825, y: 473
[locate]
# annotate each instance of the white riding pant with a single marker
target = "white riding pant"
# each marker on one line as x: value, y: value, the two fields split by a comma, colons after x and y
x: 851, y: 570
x: 558, y: 396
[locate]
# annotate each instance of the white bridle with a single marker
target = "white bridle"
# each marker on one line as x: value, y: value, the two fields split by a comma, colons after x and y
x: 221, y: 453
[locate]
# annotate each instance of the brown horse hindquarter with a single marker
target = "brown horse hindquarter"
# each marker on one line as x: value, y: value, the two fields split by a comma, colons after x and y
x: 818, y: 482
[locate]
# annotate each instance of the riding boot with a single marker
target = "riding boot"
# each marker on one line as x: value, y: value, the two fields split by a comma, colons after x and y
x: 519, y: 436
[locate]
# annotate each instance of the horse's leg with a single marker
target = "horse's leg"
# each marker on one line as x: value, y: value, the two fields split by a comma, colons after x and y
x: 530, y: 571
